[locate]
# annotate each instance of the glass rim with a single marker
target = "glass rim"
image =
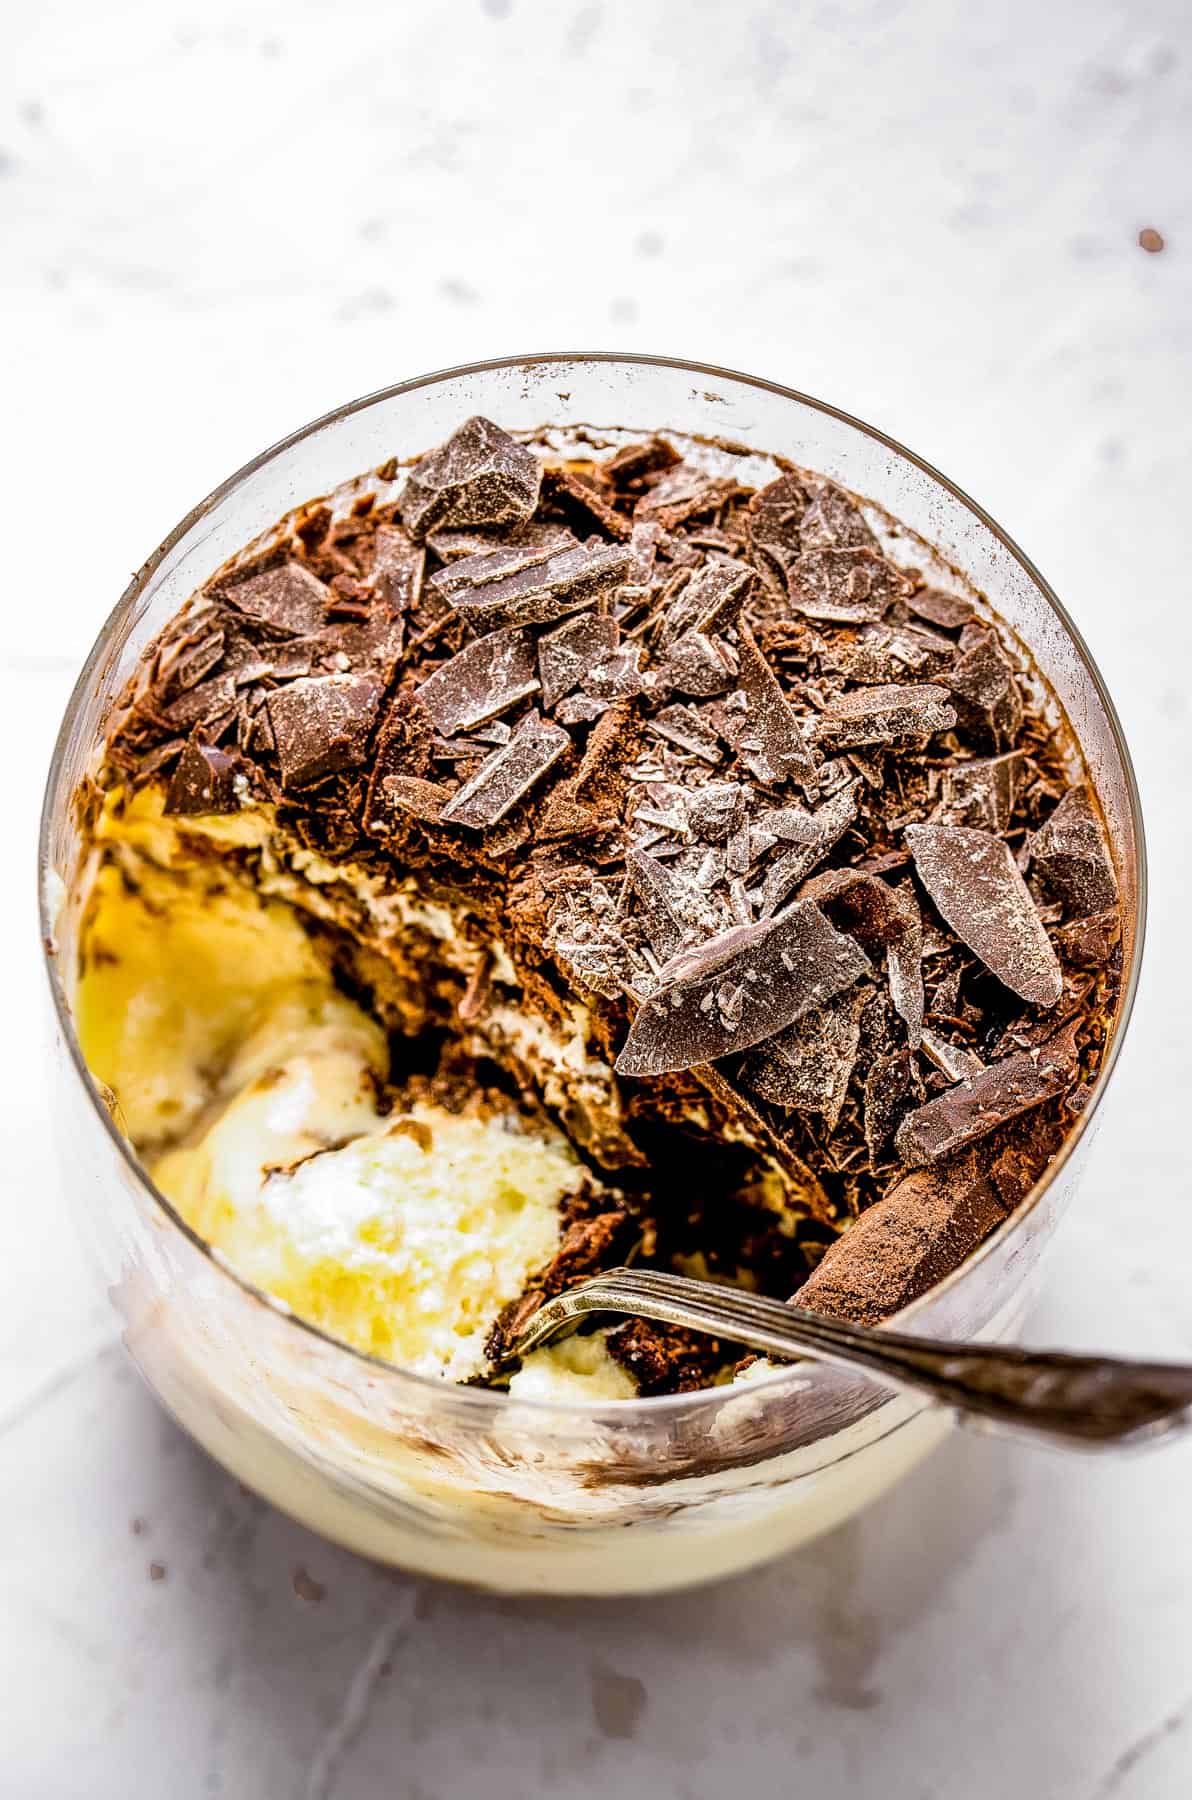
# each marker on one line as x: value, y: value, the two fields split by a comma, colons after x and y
x: 486, y: 1400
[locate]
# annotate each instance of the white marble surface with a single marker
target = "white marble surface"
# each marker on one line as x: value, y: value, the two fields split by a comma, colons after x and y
x: 218, y: 220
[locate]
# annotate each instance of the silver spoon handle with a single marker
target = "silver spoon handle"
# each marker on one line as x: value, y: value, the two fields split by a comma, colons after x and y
x: 1088, y: 1401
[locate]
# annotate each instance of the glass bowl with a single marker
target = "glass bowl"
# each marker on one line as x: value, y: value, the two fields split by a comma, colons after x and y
x: 516, y: 1495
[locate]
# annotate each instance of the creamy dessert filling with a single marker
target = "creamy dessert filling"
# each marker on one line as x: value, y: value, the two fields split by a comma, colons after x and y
x: 513, y: 865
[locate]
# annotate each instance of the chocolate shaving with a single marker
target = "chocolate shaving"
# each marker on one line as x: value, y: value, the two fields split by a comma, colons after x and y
x: 832, y: 819
x: 200, y: 705
x: 883, y: 715
x: 978, y: 1105
x: 738, y: 989
x: 545, y: 535
x: 535, y: 588
x: 286, y: 597
x: 508, y: 774
x: 881, y: 654
x: 662, y: 918
x: 952, y: 1060
x: 480, y: 476
x: 698, y: 665
x: 1070, y: 857
x: 485, y: 678
x: 683, y: 726
x: 974, y: 881
x: 321, y: 725
x: 203, y: 782
x: 890, y: 1085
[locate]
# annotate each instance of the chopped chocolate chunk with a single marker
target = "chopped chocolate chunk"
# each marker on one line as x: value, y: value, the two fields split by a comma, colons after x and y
x: 634, y: 461
x: 904, y: 1244
x: 768, y: 736
x: 683, y: 726
x: 882, y: 715
x: 188, y: 668
x: 982, y: 793
x: 683, y: 493
x: 947, y: 611
x: 833, y: 519
x: 203, y: 781
x: 397, y: 569
x: 832, y: 819
x: 321, y: 725
x: 616, y: 676
x: 880, y: 654
x: 580, y: 709
x: 904, y: 965
x: 200, y: 705
x: 698, y: 665
x: 952, y: 1060
x: 662, y: 917
x: 508, y: 774
x: 880, y: 917
x: 483, y: 679
x: 807, y: 1068
x: 531, y: 588
x: 715, y: 809
x: 983, y: 685
x: 1070, y: 857
x: 890, y: 1086
x: 571, y: 648
x: 844, y: 586
x: 579, y: 497
x: 480, y: 476
x: 1089, y: 943
x: 706, y: 601
x: 738, y: 989
x: 286, y: 597
x: 980, y: 1103
x: 775, y: 514
x: 974, y: 881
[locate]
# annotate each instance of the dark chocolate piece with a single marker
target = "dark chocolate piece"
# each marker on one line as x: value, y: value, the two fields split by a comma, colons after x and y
x: 683, y: 493
x: 508, y: 774
x: 832, y: 819
x: 698, y: 665
x: 483, y: 679
x: 768, y: 736
x: 200, y: 705
x: 634, y: 461
x: 503, y: 588
x: 807, y: 1068
x: 982, y: 683
x: 202, y: 782
x: 715, y: 809
x: 565, y: 653
x: 881, y: 654
x: 480, y: 476
x: 1089, y: 943
x: 982, y: 793
x: 889, y: 1091
x: 683, y: 726
x: 949, y: 612
x: 775, y: 514
x: 844, y: 586
x: 880, y: 917
x: 616, y: 676
x: 321, y: 725
x: 397, y: 569
x: 708, y: 601
x: 979, y: 1104
x: 952, y: 1060
x: 974, y: 881
x: 574, y: 494
x: 287, y: 597
x: 738, y: 989
x: 833, y: 520
x: 883, y: 715
x: 661, y: 913
x: 1070, y: 857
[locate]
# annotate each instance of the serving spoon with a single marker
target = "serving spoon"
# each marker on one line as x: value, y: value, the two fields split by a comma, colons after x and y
x: 1088, y: 1402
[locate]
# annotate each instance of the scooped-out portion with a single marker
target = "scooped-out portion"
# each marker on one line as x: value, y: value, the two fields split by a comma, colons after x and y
x: 516, y: 864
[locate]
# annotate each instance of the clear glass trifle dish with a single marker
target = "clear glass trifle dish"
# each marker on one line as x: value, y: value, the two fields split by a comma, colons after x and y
x: 611, y: 1489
